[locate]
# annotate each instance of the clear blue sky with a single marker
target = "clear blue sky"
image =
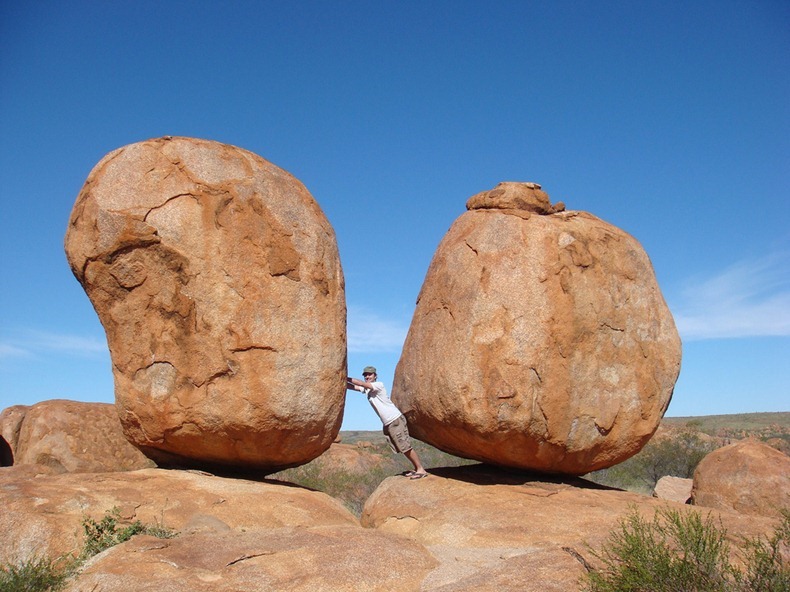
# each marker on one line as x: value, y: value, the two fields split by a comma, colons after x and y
x: 668, y: 119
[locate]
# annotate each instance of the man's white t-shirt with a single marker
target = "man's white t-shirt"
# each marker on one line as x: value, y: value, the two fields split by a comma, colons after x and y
x: 381, y: 403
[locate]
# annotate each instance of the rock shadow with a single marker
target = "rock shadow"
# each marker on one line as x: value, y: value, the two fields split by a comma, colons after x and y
x: 6, y: 454
x: 485, y: 474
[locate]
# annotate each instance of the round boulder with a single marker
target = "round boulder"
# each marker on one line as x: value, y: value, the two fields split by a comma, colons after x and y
x: 540, y: 339
x: 217, y: 279
x: 749, y: 477
x: 71, y: 436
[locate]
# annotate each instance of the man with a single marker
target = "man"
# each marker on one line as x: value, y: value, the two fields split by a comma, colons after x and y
x: 394, y: 422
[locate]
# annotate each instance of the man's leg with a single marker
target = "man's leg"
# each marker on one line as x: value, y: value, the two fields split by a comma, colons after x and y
x: 411, y: 454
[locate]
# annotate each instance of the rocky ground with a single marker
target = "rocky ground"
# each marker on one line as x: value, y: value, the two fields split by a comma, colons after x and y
x: 471, y: 527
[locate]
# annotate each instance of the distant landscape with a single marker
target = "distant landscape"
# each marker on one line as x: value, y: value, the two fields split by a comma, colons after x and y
x: 759, y: 425
x: 741, y: 425
x: 352, y: 469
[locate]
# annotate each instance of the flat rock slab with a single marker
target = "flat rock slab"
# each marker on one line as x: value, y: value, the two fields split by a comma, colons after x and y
x: 42, y: 515
x: 329, y: 558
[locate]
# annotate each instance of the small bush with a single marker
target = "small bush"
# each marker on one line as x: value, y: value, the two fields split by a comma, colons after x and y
x: 684, y: 552
x: 109, y: 532
x: 41, y: 574
x: 38, y: 574
x: 766, y: 569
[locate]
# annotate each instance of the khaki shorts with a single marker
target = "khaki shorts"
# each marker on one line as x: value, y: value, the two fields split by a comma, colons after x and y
x: 398, y: 435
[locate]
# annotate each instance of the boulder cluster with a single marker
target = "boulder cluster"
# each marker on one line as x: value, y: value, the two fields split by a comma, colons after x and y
x: 540, y: 338
x: 540, y: 341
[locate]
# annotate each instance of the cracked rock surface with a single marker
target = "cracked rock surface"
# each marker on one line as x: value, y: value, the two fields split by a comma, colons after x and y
x: 540, y: 339
x: 494, y: 530
x: 462, y: 529
x: 217, y: 279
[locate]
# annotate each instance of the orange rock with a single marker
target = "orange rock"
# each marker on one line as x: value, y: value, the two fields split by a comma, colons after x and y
x: 217, y: 279
x: 69, y: 436
x: 331, y: 558
x: 42, y: 515
x: 498, y: 531
x: 749, y: 477
x: 10, y: 426
x: 538, y: 341
x: 676, y: 489
x: 348, y: 458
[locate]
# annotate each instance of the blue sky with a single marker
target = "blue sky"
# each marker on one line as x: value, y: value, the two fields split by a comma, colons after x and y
x: 668, y: 119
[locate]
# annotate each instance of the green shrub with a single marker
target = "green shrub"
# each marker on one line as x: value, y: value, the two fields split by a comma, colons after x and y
x: 678, y: 552
x: 766, y: 569
x: 41, y: 574
x: 38, y: 574
x: 109, y: 532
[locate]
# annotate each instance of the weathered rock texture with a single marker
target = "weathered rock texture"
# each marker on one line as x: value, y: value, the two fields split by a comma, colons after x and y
x: 676, y: 489
x: 217, y: 279
x: 749, y: 477
x: 330, y: 558
x: 349, y: 458
x: 69, y: 436
x: 10, y: 426
x: 467, y: 528
x: 540, y: 339
x: 43, y: 515
x: 494, y: 531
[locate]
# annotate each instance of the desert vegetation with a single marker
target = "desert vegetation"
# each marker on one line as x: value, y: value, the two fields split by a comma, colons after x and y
x: 771, y: 428
x: 676, y: 450
x: 46, y: 574
x: 688, y: 551
x: 677, y: 455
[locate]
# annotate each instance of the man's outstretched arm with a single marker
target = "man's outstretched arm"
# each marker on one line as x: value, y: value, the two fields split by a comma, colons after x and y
x: 352, y: 383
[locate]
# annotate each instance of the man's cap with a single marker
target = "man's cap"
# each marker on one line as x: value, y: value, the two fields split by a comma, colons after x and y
x: 369, y: 370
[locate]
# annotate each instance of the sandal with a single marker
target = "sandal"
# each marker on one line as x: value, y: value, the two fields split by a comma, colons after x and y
x: 408, y: 473
x: 416, y: 476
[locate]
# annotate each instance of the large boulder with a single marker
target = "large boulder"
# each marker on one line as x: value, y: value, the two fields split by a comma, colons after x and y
x: 217, y: 279
x: 69, y: 436
x: 540, y: 339
x: 10, y: 426
x: 748, y: 477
